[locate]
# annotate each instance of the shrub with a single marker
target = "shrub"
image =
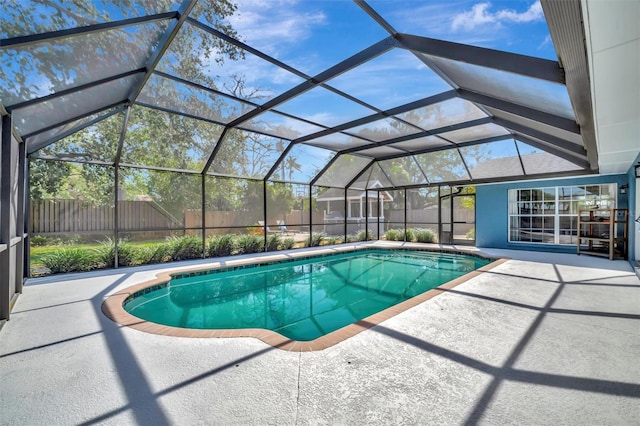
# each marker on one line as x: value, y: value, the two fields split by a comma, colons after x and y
x: 288, y: 243
x: 315, y: 239
x: 274, y: 242
x: 409, y: 235
x: 250, y: 244
x: 157, y: 253
x: 128, y: 254
x: 41, y: 240
x: 185, y: 247
x: 364, y: 236
x: 330, y: 240
x: 220, y: 245
x: 394, y: 235
x: 70, y: 259
x: 471, y: 235
x: 424, y: 235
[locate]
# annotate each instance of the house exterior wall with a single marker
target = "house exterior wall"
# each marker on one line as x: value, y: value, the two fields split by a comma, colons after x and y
x: 492, y: 214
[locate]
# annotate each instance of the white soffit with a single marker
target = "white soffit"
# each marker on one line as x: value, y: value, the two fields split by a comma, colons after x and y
x: 612, y: 31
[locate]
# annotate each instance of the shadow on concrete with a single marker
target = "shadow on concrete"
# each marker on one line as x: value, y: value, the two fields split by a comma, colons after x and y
x: 507, y: 370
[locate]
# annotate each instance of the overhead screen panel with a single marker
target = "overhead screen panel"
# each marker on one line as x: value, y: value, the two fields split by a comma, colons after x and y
x: 302, y: 163
x: 537, y: 161
x: 373, y: 177
x: 492, y: 160
x: 441, y: 114
x: 381, y: 151
x: 59, y: 109
x: 474, y: 133
x: 178, y: 97
x: 443, y: 166
x: 538, y: 126
x: 342, y: 170
x: 172, y: 141
x: 247, y: 154
x: 201, y: 57
x: 338, y: 141
x: 324, y: 107
x: 380, y: 130
x: 280, y: 24
x: 417, y: 144
x: 522, y: 90
x: 38, y: 140
x: 371, y: 82
x: 29, y: 17
x: 48, y: 67
x: 403, y: 171
x: 98, y: 142
x: 280, y: 125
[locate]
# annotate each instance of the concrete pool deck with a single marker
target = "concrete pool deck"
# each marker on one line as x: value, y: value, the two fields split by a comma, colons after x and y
x: 540, y: 339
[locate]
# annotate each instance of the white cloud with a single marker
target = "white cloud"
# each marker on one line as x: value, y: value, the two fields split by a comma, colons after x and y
x: 271, y: 25
x: 545, y: 42
x: 480, y: 15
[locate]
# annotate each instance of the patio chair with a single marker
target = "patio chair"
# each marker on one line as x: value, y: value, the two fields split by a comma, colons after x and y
x: 264, y: 228
x: 282, y: 227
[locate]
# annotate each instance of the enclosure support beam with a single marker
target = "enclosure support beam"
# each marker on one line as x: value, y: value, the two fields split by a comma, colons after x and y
x: 310, y: 215
x: 264, y: 213
x: 23, y: 41
x: 5, y: 217
x: 404, y: 237
x: 21, y: 246
x: 530, y: 66
x: 346, y: 227
x: 116, y: 195
x: 445, y: 129
x: 27, y: 217
x: 204, y: 212
x: 11, y: 266
x: 169, y: 35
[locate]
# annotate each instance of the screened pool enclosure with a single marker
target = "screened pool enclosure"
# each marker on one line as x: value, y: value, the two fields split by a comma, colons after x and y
x: 134, y: 121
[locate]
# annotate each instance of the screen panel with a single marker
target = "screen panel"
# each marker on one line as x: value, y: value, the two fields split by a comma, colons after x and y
x: 48, y: 67
x: 174, y: 96
x: 342, y: 171
x: 443, y: 166
x: 247, y: 154
x: 302, y: 164
x: 493, y: 159
x: 98, y: 142
x: 537, y: 161
x: 371, y: 82
x: 160, y: 139
x: 57, y: 110
x: 446, y: 113
x: 522, y: 90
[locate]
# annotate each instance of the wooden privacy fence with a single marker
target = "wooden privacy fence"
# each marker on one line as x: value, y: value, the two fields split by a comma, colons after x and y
x: 77, y: 216
x: 232, y: 219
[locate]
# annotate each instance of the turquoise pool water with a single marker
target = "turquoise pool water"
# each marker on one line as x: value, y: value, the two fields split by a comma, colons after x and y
x: 302, y: 299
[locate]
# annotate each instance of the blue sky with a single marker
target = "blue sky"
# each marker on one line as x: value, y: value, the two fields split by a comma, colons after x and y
x: 305, y: 31
x: 312, y: 35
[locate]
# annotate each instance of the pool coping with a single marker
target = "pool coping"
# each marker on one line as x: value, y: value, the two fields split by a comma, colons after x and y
x: 113, y: 305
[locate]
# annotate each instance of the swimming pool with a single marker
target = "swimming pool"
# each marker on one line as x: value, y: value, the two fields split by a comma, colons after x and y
x: 301, y: 299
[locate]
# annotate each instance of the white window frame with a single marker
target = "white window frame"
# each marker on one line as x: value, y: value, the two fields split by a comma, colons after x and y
x: 605, y: 199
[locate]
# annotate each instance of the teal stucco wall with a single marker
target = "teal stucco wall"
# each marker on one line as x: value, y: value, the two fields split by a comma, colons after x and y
x: 492, y: 210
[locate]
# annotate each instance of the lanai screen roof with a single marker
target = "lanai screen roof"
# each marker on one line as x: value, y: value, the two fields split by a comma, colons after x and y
x: 178, y: 80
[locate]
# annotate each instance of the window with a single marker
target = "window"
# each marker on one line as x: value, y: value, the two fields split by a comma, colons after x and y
x: 550, y: 215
